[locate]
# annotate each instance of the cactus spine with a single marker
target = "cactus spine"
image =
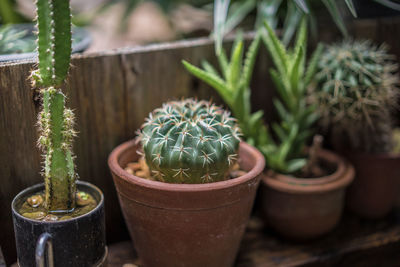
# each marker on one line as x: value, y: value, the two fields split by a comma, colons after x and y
x: 55, y: 121
x: 190, y: 142
x: 356, y: 90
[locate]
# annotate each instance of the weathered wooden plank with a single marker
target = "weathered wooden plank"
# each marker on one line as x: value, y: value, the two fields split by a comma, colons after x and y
x: 97, y: 94
x: 111, y: 94
x: 19, y: 158
x: 352, y: 243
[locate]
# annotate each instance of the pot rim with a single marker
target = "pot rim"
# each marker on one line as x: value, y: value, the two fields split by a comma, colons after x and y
x: 342, y: 177
x: 326, y: 155
x: 36, y: 187
x: 113, y: 163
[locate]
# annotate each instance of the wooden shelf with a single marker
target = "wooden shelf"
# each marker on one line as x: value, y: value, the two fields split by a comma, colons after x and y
x: 355, y: 242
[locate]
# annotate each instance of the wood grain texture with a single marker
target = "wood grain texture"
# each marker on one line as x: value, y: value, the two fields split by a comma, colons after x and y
x: 111, y: 93
x: 353, y: 243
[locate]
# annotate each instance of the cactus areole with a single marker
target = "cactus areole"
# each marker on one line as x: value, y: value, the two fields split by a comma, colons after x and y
x: 55, y: 121
x: 190, y: 142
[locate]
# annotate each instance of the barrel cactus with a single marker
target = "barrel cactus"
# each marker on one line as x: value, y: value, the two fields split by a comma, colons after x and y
x: 190, y: 142
x: 356, y: 91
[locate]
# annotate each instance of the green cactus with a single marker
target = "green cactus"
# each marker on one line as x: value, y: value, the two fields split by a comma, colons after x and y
x: 55, y: 121
x: 190, y: 142
x: 356, y: 91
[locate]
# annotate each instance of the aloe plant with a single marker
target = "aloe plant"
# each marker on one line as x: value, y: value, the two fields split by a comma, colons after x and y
x: 291, y: 78
x: 190, y: 142
x: 55, y: 120
x: 286, y: 154
x: 233, y: 85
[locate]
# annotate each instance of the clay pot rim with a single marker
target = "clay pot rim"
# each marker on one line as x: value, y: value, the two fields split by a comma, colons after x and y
x: 37, y: 187
x: 113, y: 162
x: 342, y: 177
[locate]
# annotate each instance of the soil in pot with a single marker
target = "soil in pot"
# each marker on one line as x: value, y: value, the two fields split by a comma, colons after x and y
x: 140, y: 169
x: 306, y: 208
x: 33, y: 207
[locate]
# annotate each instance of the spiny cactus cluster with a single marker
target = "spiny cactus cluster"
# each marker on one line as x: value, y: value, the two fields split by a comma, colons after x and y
x: 356, y: 90
x: 190, y: 141
x: 55, y: 121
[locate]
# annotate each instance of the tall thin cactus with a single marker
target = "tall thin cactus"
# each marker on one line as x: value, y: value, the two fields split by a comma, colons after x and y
x: 55, y: 120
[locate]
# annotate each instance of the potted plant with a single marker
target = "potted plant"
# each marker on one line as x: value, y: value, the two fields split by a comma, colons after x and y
x: 61, y: 218
x: 291, y: 205
x: 234, y: 87
x: 188, y: 212
x: 303, y: 189
x: 356, y: 91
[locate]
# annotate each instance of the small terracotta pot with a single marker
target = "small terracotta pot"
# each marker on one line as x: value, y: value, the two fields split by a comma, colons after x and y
x: 186, y: 224
x: 376, y: 186
x: 306, y: 208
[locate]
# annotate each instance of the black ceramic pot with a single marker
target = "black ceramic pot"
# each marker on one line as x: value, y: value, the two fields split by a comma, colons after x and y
x: 75, y: 242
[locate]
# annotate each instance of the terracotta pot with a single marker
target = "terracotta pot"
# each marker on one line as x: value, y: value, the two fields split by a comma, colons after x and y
x: 306, y: 208
x: 182, y: 224
x: 376, y: 187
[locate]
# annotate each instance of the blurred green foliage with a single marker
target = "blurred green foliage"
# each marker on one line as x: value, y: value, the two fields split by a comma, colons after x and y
x: 14, y: 40
x: 8, y: 13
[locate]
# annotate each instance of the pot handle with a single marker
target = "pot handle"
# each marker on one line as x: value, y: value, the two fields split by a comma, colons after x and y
x: 43, y: 242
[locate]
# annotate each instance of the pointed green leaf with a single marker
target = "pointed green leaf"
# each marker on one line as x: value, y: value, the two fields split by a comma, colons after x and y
x: 302, y: 5
x: 223, y: 63
x: 295, y: 165
x: 255, y: 119
x: 337, y: 18
x: 279, y: 132
x: 282, y: 112
x: 220, y: 14
x: 214, y: 81
x: 240, y: 10
x: 277, y: 49
x: 235, y: 65
x: 209, y: 68
x: 267, y: 10
x: 312, y: 66
x: 295, y: 73
x: 291, y: 23
x: 249, y: 62
x: 351, y: 7
x: 278, y: 81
